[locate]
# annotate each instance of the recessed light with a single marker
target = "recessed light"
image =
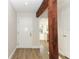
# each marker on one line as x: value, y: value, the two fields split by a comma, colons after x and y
x: 26, y: 3
x: 26, y: 29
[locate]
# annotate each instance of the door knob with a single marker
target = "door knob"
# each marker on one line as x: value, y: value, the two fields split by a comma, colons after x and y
x: 30, y: 34
x: 64, y: 35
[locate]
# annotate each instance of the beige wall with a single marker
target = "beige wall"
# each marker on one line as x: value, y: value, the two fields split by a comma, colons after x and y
x: 12, y: 29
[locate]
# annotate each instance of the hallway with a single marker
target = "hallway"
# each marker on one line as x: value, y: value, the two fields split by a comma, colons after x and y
x: 28, y: 33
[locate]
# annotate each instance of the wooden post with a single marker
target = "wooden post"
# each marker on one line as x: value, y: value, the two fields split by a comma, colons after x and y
x: 53, y: 34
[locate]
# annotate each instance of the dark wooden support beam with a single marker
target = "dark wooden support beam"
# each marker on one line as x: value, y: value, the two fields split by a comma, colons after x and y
x: 42, y: 8
x: 53, y: 34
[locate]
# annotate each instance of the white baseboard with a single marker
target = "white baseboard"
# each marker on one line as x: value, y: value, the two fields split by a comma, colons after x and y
x: 62, y: 53
x: 29, y: 47
x: 12, y: 53
x: 36, y: 47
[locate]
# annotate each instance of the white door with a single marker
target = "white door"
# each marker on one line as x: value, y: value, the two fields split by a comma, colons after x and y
x: 64, y: 29
x: 24, y: 33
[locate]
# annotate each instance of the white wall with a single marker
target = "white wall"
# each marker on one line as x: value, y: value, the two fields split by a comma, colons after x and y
x: 12, y: 29
x: 64, y: 27
x: 36, y: 40
x: 35, y: 26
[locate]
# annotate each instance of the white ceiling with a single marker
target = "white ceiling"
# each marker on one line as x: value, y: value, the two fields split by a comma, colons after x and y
x: 32, y: 5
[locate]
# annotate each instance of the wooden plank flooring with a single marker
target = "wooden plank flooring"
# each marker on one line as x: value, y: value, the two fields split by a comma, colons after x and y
x: 21, y: 53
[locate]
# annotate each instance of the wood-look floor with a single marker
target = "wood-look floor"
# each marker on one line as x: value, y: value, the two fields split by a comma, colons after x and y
x: 21, y: 53
x: 31, y: 53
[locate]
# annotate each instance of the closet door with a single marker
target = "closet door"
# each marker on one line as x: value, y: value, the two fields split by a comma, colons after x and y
x: 24, y: 34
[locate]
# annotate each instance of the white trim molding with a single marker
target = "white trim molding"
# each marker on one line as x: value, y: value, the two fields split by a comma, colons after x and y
x: 12, y: 53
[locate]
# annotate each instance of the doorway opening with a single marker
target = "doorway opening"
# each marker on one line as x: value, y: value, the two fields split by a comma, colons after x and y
x: 44, y: 45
